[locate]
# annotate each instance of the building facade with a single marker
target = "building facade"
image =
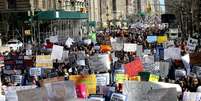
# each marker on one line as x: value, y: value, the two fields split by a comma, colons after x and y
x: 16, y: 16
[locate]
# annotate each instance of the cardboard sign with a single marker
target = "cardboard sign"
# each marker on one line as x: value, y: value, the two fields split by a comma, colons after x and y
x: 153, y: 78
x: 151, y: 39
x: 88, y: 80
x: 120, y: 78
x: 37, y: 94
x: 117, y: 46
x: 192, y: 96
x: 100, y: 62
x: 57, y: 52
x: 161, y: 39
x: 118, y: 97
x: 129, y: 47
x: 11, y: 92
x: 164, y: 69
x: 103, y: 79
x: 44, y: 61
x: 180, y: 73
x: 191, y: 44
x: 174, y: 53
x: 35, y: 71
x: 139, y: 90
x: 139, y: 50
x: 161, y: 94
x: 65, y: 56
x: 60, y: 91
x: 50, y: 80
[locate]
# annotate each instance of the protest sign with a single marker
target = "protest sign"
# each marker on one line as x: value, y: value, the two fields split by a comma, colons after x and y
x: 88, y: 80
x: 81, y: 91
x: 105, y: 48
x: 180, y: 73
x: 118, y: 97
x: 120, y: 78
x: 28, y: 52
x: 174, y: 53
x: 60, y: 91
x: 103, y: 79
x: 161, y: 39
x: 134, y: 67
x: 87, y: 41
x: 11, y: 92
x: 139, y: 50
x: 2, y: 98
x: 44, y: 61
x: 117, y: 46
x: 100, y: 62
x: 36, y: 94
x: 92, y: 36
x: 65, y: 56
x: 164, y: 69
x: 151, y: 39
x: 191, y: 44
x: 129, y: 47
x: 161, y: 94
x: 135, y: 78
x: 186, y: 61
x: 144, y: 76
x: 96, y: 99
x: 11, y: 72
x: 148, y: 59
x: 153, y: 78
x: 50, y: 80
x: 57, y: 52
x: 69, y: 42
x: 147, y: 51
x: 35, y: 71
x: 17, y: 79
x: 191, y: 96
x: 54, y: 39
x: 139, y: 90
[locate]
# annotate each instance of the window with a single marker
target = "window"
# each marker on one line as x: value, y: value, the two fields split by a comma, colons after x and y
x: 11, y: 4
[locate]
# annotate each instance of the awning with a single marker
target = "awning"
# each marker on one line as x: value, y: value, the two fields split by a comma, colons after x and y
x: 53, y: 15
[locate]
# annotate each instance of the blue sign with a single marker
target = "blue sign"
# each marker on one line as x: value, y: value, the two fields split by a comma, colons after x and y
x: 151, y: 39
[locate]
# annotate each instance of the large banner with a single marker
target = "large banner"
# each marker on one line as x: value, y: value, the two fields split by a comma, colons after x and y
x: 191, y: 96
x: 44, y: 61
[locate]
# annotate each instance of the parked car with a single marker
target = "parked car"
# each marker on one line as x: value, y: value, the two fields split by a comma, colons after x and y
x: 14, y: 44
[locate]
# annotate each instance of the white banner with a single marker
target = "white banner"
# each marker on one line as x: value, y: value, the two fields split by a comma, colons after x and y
x: 57, y: 52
